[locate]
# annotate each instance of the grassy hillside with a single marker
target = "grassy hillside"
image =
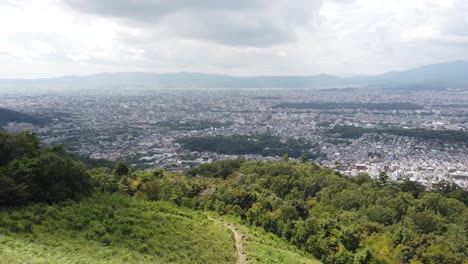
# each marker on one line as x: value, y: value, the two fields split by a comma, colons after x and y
x: 112, y: 229
x: 259, y: 246
x: 299, y: 209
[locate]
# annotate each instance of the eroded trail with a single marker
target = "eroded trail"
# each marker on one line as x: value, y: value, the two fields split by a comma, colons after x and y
x: 240, y: 252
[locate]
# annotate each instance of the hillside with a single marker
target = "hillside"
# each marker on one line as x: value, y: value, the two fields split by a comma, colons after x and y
x: 114, y: 229
x: 118, y: 229
x: 7, y: 115
x: 259, y: 246
x: 54, y: 209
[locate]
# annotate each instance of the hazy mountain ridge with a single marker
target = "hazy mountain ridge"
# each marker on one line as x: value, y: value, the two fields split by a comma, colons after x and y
x: 442, y: 75
x: 7, y: 115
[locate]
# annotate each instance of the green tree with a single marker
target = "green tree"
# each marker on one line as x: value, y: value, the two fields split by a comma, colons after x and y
x: 303, y: 158
x: 382, y: 179
x: 349, y: 240
x: 413, y: 187
x: 121, y: 169
x: 29, y: 173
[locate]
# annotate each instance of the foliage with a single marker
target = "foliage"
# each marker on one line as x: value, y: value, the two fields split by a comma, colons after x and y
x: 424, y: 134
x: 334, y: 218
x: 112, y: 229
x: 220, y: 169
x: 264, y: 144
x: 29, y: 173
x: 121, y: 169
x: 192, y: 125
x: 91, y: 162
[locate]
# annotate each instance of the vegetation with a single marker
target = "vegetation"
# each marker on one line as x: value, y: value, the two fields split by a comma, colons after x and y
x: 331, y: 105
x: 29, y: 173
x: 7, y: 115
x: 263, y: 247
x: 425, y: 134
x: 335, y: 218
x: 265, y: 145
x: 112, y: 229
x: 192, y: 125
x: 90, y: 162
x: 288, y: 212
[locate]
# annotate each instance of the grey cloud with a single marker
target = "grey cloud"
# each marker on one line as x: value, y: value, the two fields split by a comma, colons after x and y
x: 238, y: 23
x: 154, y: 9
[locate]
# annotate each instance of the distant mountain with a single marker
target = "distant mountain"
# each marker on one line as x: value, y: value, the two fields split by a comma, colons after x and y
x: 447, y: 74
x: 441, y: 75
x: 175, y: 80
x: 7, y: 115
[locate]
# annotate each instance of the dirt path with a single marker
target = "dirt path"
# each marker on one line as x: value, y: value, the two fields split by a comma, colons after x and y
x: 240, y: 252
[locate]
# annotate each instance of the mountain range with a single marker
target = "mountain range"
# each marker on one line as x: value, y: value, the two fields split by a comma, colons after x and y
x: 445, y: 75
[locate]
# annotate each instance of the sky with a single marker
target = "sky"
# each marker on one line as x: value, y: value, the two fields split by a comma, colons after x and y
x: 46, y: 38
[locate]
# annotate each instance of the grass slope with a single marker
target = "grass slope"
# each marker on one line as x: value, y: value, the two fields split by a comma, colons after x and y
x: 112, y: 229
x: 266, y: 248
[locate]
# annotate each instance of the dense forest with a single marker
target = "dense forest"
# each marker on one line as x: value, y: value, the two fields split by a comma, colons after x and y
x: 332, y: 217
x: 265, y: 145
x: 31, y: 173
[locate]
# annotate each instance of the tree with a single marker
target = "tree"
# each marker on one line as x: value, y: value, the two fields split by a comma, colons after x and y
x: 303, y: 158
x: 344, y: 257
x: 362, y: 256
x: 382, y: 179
x: 103, y: 180
x: 121, y: 169
x: 413, y: 187
x: 15, y: 146
x: 12, y: 192
x: 349, y: 240
x: 29, y: 173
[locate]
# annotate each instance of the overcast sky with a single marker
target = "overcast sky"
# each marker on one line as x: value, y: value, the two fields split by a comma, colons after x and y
x: 43, y: 38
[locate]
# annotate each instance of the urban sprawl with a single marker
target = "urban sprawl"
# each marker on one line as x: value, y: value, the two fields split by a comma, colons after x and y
x: 144, y: 129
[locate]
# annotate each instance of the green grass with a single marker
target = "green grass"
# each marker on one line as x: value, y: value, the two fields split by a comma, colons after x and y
x: 112, y: 229
x: 117, y: 229
x: 267, y: 248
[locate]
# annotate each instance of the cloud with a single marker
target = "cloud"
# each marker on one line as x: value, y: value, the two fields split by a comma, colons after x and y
x: 41, y: 38
x: 239, y: 23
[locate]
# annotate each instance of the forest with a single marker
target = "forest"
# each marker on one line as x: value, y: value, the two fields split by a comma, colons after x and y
x: 264, y: 144
x: 336, y: 219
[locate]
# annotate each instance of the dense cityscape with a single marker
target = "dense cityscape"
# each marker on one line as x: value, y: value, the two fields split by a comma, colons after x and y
x: 146, y: 129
